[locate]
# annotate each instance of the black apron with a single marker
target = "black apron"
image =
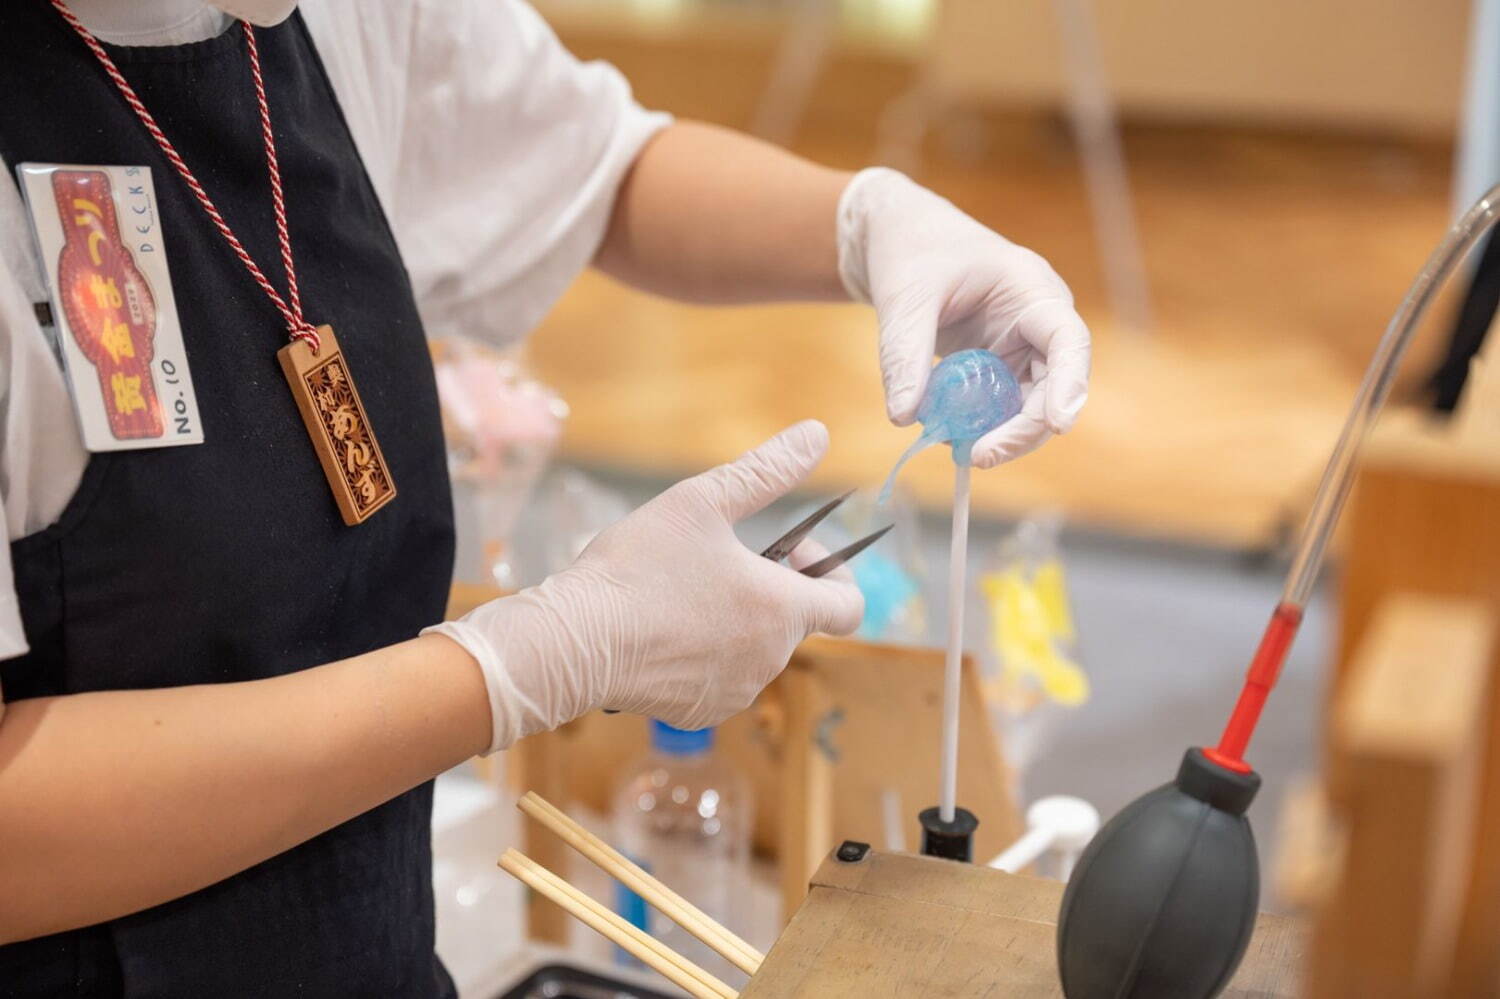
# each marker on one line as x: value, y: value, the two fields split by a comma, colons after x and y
x: 228, y: 561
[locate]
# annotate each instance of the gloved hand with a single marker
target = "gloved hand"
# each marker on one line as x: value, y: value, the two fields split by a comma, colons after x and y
x: 665, y: 613
x: 941, y: 282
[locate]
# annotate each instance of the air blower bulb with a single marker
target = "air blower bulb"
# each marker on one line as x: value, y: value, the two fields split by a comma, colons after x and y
x: 1163, y: 900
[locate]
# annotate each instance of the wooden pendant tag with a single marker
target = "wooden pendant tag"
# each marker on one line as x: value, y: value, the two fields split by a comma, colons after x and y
x: 336, y: 422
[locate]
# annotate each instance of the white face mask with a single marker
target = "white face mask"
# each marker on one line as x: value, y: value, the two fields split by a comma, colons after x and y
x: 261, y: 13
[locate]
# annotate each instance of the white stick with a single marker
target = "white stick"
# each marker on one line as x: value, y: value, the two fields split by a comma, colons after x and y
x: 953, y: 677
x: 1025, y: 851
x: 891, y: 812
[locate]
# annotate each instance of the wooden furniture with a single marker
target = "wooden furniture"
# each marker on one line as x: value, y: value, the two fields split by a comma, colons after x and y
x: 1400, y: 850
x: 897, y: 926
x: 1407, y: 742
x: 1425, y: 519
x: 847, y: 728
x: 877, y: 923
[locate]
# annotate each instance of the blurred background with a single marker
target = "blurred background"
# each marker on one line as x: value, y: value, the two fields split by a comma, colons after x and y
x: 1238, y: 194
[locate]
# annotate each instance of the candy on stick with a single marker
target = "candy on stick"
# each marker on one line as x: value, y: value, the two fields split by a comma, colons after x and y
x: 969, y: 394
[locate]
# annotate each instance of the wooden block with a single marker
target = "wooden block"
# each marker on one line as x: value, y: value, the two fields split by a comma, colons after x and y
x: 806, y: 786
x: 896, y: 926
x: 1311, y: 847
x: 1424, y: 520
x: 887, y: 729
x: 1407, y: 744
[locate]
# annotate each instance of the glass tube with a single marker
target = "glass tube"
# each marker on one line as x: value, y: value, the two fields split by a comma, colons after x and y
x: 1338, y: 477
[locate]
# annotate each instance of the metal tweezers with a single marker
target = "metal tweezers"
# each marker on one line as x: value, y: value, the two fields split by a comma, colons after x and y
x: 782, y: 546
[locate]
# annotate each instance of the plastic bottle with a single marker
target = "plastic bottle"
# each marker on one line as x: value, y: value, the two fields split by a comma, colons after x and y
x: 684, y: 814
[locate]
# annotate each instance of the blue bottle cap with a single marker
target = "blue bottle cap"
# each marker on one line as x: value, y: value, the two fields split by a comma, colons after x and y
x: 680, y: 742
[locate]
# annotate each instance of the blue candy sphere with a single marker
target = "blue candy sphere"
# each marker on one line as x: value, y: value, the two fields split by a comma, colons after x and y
x: 969, y: 394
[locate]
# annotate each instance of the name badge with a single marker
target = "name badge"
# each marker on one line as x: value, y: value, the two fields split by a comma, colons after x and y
x: 100, y: 237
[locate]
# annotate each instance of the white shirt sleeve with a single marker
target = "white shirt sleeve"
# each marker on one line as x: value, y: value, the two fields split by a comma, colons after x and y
x: 42, y: 457
x: 497, y: 154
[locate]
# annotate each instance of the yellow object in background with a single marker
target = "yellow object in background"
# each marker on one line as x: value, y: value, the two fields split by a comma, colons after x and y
x: 1052, y: 590
x: 1031, y: 626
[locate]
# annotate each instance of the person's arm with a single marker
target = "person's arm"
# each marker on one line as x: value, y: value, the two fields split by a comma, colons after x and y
x: 111, y: 802
x: 114, y: 801
x: 708, y: 215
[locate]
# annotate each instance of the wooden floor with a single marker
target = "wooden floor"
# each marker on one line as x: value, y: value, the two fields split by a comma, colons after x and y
x: 1274, y: 261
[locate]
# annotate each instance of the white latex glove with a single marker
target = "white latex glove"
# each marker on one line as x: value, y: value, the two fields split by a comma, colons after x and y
x: 665, y: 613
x: 941, y: 282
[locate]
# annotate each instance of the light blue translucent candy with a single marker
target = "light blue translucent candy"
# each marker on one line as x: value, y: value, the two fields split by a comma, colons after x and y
x: 887, y: 588
x: 969, y: 394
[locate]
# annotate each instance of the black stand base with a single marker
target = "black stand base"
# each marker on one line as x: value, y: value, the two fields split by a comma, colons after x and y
x: 949, y: 840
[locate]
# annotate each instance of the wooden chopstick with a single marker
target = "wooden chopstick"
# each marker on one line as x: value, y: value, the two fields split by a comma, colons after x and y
x: 658, y: 956
x: 645, y: 939
x: 733, y: 949
x: 666, y: 953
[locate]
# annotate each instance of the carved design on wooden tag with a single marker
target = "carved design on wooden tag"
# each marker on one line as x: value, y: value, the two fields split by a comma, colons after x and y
x: 336, y: 422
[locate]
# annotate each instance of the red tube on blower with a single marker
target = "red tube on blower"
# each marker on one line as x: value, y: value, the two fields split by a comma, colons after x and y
x: 1261, y: 677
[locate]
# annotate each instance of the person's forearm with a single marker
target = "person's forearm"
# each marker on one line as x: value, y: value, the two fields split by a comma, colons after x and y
x: 115, y: 801
x: 709, y: 215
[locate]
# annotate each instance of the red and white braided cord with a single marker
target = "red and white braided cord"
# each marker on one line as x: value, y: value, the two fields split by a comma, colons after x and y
x: 297, y: 327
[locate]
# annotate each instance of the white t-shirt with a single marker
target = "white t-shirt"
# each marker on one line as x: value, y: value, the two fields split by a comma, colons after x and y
x: 439, y: 94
